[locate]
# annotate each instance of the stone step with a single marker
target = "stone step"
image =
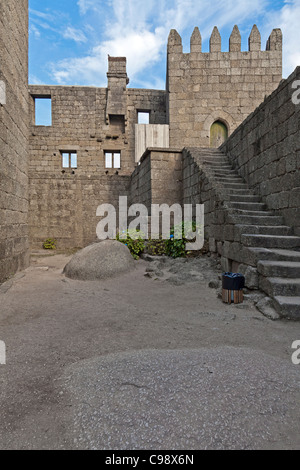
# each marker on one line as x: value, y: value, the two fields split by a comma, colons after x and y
x: 263, y: 219
x: 261, y: 254
x: 227, y: 174
x: 221, y: 163
x: 244, y: 198
x: 288, y: 307
x: 230, y: 179
x: 232, y: 185
x: 286, y: 269
x: 270, y: 241
x: 249, y: 206
x: 218, y: 165
x: 253, y: 213
x: 229, y: 171
x: 237, y: 191
x: 210, y: 151
x: 265, y: 229
x: 216, y: 158
x: 226, y: 169
x: 275, y: 286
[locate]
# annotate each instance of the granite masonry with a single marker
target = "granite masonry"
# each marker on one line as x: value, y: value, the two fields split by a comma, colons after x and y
x: 224, y: 133
x: 14, y: 135
x: 203, y: 90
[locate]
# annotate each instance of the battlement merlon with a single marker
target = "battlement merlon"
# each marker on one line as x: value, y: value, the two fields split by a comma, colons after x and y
x: 196, y: 41
x: 174, y: 42
x: 235, y: 40
x: 274, y: 42
x: 215, y: 42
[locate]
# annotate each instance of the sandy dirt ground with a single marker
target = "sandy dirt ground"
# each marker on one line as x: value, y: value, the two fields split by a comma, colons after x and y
x: 153, y: 361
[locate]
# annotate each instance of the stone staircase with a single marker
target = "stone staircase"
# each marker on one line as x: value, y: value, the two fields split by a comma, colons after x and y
x: 269, y: 245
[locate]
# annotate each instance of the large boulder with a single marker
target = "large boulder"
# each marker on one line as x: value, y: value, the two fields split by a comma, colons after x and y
x: 101, y: 260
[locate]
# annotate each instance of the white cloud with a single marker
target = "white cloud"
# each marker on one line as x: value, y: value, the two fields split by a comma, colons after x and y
x: 34, y: 30
x: 85, y: 5
x: 40, y: 14
x: 33, y: 80
x: 288, y: 19
x: 74, y: 34
x: 141, y: 50
x: 139, y: 29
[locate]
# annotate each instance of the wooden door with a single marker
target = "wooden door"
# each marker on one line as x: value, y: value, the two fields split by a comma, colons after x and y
x: 218, y: 134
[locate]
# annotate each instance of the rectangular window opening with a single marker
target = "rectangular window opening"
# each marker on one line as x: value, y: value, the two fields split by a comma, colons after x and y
x: 113, y: 160
x: 143, y: 117
x: 69, y: 159
x: 43, y: 111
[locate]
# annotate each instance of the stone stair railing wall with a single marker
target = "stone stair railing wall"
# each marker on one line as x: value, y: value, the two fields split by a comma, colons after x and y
x: 248, y: 236
x: 264, y: 150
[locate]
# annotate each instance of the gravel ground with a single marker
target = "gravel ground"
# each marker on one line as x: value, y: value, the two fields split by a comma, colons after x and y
x: 149, y: 360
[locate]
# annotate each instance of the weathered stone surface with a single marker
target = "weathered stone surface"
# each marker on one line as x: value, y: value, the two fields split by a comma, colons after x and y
x: 265, y: 306
x: 251, y: 276
x: 263, y: 150
x: 226, y: 388
x: 214, y: 284
x: 63, y: 202
x: 217, y: 86
x: 14, y: 134
x: 196, y: 41
x: 255, y: 39
x: 100, y: 261
x: 235, y: 40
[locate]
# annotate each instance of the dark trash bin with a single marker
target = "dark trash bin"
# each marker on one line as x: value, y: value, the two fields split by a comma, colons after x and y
x: 232, y: 288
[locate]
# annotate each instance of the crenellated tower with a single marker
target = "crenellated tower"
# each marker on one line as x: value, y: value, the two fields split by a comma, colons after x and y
x: 210, y: 94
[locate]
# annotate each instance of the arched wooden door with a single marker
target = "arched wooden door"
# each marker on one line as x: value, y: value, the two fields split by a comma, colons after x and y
x: 218, y: 134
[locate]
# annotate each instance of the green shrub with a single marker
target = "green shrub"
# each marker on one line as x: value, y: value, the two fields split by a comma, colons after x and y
x: 176, y: 248
x: 50, y: 244
x: 156, y: 247
x: 135, y: 243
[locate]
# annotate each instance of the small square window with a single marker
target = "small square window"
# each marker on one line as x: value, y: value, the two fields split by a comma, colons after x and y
x: 143, y: 117
x: 69, y: 159
x: 113, y: 160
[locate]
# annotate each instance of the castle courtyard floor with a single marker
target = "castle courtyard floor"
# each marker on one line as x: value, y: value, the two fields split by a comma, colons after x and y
x: 142, y: 362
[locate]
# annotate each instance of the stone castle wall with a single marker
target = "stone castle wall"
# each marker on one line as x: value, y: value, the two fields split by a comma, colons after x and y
x: 218, y: 86
x: 201, y: 89
x: 265, y: 150
x: 63, y: 202
x: 64, y: 208
x: 13, y: 137
x: 158, y: 178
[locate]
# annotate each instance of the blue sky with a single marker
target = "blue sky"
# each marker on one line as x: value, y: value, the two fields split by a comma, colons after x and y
x: 70, y: 39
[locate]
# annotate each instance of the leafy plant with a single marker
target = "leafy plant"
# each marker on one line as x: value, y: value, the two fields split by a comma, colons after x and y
x: 134, y: 241
x: 179, y: 236
x: 50, y: 244
x: 156, y: 247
